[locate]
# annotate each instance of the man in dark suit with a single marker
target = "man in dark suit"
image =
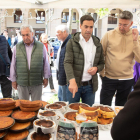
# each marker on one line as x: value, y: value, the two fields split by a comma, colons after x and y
x: 6, y: 54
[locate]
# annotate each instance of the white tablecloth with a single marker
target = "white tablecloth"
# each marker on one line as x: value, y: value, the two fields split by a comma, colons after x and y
x: 105, y: 135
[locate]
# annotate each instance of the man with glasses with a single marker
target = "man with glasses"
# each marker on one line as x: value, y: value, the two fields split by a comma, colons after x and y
x: 121, y: 46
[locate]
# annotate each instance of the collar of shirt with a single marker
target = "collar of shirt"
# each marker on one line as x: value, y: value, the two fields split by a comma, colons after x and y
x: 6, y: 37
x: 83, y: 39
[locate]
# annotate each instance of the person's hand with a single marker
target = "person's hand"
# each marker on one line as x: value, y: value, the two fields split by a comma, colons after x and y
x: 73, y: 88
x: 135, y: 34
x: 14, y: 85
x: 92, y: 70
x: 45, y: 82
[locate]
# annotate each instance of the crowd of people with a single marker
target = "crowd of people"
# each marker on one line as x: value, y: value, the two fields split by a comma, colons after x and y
x: 80, y: 57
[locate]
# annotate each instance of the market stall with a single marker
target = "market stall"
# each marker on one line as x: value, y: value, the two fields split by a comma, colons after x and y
x: 34, y: 120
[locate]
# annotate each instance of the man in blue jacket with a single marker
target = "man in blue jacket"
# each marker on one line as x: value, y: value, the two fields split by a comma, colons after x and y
x: 63, y: 35
x: 5, y: 33
x: 6, y: 54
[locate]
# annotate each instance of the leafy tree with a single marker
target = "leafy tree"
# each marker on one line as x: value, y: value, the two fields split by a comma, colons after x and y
x: 102, y: 12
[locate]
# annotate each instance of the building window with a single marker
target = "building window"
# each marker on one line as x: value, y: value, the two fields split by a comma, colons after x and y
x: 18, y: 17
x: 40, y: 17
x: 112, y: 20
x: 108, y: 29
x: 74, y: 17
x: 65, y: 17
x: 94, y: 15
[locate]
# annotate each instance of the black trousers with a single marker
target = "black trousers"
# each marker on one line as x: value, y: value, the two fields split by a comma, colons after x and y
x: 51, y: 80
x: 110, y: 86
x: 6, y: 87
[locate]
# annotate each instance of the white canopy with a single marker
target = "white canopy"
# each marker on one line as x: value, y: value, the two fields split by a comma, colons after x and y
x: 69, y: 4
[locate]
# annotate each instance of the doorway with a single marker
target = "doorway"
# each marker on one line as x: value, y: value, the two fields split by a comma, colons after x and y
x: 38, y: 32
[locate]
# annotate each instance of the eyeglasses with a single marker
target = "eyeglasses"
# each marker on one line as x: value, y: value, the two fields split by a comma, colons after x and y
x: 124, y: 25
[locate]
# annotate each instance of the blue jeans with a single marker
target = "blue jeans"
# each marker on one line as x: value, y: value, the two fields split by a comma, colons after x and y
x: 84, y: 92
x: 62, y: 90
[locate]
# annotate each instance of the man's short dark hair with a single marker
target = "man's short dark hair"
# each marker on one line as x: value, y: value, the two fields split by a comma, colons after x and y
x: 86, y: 17
x: 126, y: 15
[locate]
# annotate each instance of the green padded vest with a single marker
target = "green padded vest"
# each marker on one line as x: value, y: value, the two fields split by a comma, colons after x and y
x: 34, y: 76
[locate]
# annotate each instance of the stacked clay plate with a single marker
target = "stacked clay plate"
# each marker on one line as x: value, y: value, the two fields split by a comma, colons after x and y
x: 5, y: 124
x: 43, y: 103
x: 19, y: 130
x: 20, y: 120
x: 16, y: 136
x: 7, y: 104
x: 3, y: 133
x: 30, y: 106
x: 21, y: 116
x: 6, y: 108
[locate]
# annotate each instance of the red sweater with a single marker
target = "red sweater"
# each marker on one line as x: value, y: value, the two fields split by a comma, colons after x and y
x: 46, y: 45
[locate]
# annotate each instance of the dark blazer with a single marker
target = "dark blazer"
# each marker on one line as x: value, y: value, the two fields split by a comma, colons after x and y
x: 61, y: 73
x: 6, y: 53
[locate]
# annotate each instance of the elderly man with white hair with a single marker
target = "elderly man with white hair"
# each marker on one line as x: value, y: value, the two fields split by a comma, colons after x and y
x: 29, y: 67
x: 63, y: 35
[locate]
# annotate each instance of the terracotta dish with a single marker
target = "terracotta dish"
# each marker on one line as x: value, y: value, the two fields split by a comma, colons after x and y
x: 70, y: 116
x: 6, y: 99
x: 30, y: 109
x: 75, y: 106
x: 44, y: 123
x: 2, y: 133
x: 43, y: 102
x: 27, y: 103
x: 6, y: 102
x: 5, y: 113
x: 40, y: 136
x: 6, y: 122
x: 7, y: 108
x: 47, y: 113
x: 20, y: 115
x: 16, y: 136
x: 61, y: 103
x: 54, y: 106
x: 20, y: 126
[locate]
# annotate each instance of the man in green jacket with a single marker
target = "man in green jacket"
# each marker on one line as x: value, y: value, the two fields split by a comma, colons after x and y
x: 29, y: 67
x: 83, y: 59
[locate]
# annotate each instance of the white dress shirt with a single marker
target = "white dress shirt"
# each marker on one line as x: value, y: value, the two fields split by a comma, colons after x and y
x: 57, y: 58
x: 89, y: 50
